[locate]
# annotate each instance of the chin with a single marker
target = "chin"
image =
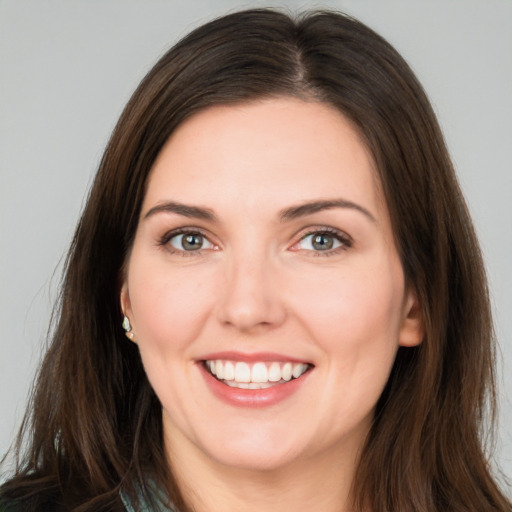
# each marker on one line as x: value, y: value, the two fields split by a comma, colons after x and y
x: 254, y: 458
x: 257, y: 449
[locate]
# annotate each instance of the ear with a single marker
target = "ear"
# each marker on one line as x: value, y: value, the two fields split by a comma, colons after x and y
x: 412, y: 330
x: 124, y: 297
x: 127, y: 310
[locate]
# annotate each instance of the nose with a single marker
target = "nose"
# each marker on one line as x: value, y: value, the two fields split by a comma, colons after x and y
x: 251, y: 298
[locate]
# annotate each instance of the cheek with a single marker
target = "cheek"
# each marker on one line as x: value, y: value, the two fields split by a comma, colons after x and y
x: 169, y: 306
x: 354, y: 318
x: 354, y: 315
x: 170, y: 309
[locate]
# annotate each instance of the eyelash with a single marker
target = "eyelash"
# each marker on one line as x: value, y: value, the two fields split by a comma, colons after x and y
x: 345, y: 241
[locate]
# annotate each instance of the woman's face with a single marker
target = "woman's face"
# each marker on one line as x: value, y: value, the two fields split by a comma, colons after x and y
x: 264, y: 287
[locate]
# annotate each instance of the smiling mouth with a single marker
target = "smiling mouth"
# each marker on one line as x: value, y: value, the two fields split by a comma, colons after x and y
x: 258, y: 375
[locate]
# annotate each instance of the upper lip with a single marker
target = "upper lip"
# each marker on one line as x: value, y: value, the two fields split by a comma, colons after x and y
x: 252, y: 357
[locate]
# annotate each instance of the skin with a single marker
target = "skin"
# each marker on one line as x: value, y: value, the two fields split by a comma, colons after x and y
x: 259, y: 285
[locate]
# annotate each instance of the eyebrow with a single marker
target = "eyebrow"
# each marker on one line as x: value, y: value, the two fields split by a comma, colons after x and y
x: 290, y: 213
x: 193, y: 212
x: 311, y: 207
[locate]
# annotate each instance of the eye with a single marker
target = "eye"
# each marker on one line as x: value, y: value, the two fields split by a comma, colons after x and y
x: 323, y: 241
x: 190, y: 242
x: 319, y: 242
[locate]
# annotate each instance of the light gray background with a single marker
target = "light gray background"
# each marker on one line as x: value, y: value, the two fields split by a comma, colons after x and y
x: 68, y: 67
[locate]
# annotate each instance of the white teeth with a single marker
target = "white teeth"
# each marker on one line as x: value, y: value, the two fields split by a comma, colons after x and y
x: 219, y: 370
x: 248, y: 385
x: 242, y: 372
x: 229, y: 371
x: 256, y: 376
x: 286, y: 372
x: 298, y: 370
x: 259, y: 373
x: 274, y: 372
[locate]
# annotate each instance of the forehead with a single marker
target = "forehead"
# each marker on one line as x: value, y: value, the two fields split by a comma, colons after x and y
x: 264, y: 154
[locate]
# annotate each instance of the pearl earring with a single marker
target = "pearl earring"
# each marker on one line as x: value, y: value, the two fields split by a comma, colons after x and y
x: 127, y: 326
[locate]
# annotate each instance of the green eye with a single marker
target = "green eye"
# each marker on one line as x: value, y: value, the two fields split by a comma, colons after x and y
x: 320, y: 241
x: 190, y: 242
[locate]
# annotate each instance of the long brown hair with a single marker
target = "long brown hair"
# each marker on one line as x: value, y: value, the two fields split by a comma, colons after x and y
x: 94, y: 425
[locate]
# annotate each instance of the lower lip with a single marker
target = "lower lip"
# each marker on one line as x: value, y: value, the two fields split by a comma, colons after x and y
x: 252, y: 397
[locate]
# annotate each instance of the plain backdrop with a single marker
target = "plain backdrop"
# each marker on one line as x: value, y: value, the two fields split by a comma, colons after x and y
x: 67, y: 67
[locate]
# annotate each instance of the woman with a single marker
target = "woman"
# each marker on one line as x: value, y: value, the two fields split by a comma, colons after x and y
x: 277, y: 227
